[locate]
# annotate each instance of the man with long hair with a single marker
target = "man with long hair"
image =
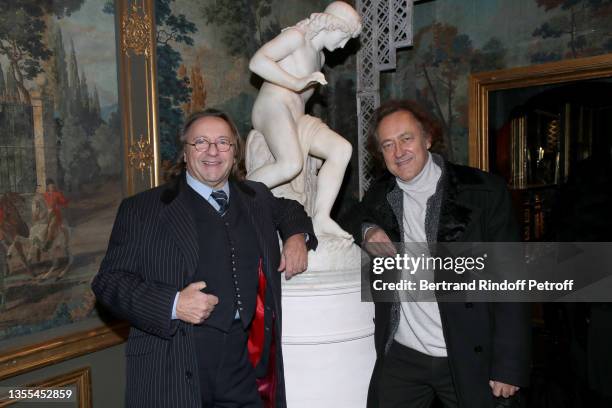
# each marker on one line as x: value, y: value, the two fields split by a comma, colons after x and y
x: 194, y: 266
x: 465, y: 354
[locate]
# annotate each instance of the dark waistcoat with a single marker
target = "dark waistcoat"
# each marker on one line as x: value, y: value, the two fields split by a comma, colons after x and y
x: 228, y: 260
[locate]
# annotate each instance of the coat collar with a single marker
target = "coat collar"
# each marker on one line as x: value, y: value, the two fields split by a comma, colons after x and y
x: 454, y: 217
x: 446, y: 218
x: 177, y: 184
x: 177, y: 216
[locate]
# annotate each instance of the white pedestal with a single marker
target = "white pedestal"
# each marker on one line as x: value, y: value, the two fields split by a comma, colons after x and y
x: 328, y: 334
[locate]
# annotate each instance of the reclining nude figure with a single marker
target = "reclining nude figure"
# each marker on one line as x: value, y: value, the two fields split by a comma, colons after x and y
x: 290, y: 65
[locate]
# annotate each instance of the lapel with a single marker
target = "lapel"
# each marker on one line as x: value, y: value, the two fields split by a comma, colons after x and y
x: 455, y: 217
x: 253, y: 211
x: 395, y: 199
x: 176, y: 217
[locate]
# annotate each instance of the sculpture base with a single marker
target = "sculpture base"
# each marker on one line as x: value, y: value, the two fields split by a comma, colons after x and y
x: 328, y: 343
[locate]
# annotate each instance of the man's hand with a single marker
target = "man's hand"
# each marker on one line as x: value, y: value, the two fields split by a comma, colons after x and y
x: 501, y: 389
x: 193, y: 306
x: 294, y: 258
x: 376, y: 242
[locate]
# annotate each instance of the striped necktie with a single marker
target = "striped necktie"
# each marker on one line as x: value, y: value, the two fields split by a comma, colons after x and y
x: 221, y: 199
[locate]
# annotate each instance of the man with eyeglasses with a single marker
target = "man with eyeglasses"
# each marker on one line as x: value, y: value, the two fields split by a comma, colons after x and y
x: 468, y: 355
x: 194, y: 266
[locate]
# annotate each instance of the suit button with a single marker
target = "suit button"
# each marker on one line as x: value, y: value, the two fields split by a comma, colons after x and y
x: 241, y: 308
x: 239, y: 302
x: 268, y: 308
x: 469, y: 305
x: 233, y: 269
x: 478, y: 349
x: 236, y: 282
x: 227, y: 224
x: 267, y: 328
x: 238, y: 295
x: 188, y: 375
x: 234, y: 276
x: 233, y: 255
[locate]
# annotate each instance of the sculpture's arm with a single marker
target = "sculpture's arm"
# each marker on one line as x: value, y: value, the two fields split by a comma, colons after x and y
x: 265, y: 61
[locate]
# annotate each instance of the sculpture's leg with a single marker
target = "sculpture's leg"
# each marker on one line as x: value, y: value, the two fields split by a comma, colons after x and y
x: 281, y: 136
x: 336, y: 152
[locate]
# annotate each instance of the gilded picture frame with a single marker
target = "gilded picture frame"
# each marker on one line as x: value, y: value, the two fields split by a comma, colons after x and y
x: 482, y: 84
x: 78, y: 380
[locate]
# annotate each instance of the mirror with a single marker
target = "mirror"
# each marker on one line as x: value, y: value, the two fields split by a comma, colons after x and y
x: 540, y: 127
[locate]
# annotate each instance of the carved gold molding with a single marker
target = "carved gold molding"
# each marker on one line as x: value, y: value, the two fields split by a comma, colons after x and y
x: 482, y: 84
x: 136, y: 27
x: 21, y: 360
x: 139, y: 94
x: 141, y: 154
x: 79, y: 379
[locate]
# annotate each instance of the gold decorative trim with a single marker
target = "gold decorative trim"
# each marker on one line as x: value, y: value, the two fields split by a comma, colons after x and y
x: 152, y: 103
x: 21, y: 360
x: 141, y: 154
x: 138, y: 93
x: 555, y: 72
x: 80, y: 379
x: 136, y: 26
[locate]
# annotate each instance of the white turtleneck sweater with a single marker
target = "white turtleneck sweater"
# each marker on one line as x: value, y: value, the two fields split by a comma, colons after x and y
x: 420, y: 327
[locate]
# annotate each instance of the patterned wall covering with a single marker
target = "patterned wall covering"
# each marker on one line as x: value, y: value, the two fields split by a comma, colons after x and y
x: 454, y: 38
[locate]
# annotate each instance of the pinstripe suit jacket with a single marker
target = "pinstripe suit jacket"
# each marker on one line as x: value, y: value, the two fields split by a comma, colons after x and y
x: 152, y: 254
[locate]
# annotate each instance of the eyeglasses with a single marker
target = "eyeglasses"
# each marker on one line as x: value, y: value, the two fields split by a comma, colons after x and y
x: 202, y: 145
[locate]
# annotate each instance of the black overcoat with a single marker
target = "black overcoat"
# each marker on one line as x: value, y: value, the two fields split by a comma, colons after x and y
x: 484, y: 340
x: 152, y: 254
